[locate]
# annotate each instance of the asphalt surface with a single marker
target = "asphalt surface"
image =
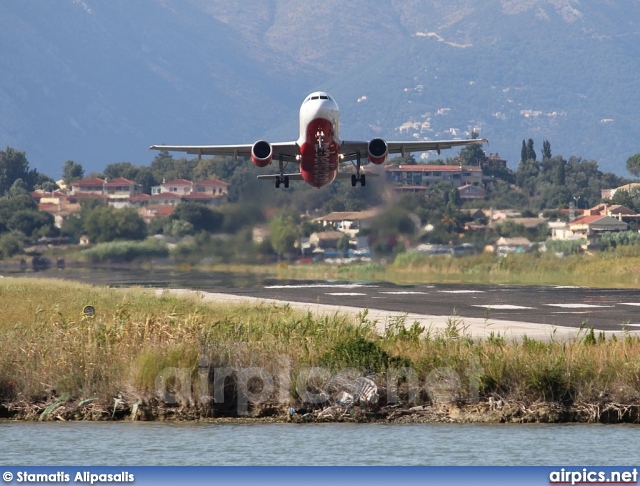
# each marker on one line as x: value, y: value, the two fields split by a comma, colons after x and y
x: 602, y: 309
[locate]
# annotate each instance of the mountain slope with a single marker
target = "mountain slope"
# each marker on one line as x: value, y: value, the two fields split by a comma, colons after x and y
x: 98, y: 82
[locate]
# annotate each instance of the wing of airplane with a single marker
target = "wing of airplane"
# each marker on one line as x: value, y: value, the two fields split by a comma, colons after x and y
x: 288, y: 150
x: 350, y: 149
x: 298, y: 177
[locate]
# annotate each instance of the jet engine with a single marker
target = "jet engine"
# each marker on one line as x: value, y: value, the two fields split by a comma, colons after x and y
x: 378, y: 151
x: 261, y: 153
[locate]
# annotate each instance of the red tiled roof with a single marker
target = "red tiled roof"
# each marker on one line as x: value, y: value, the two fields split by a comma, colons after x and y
x: 211, y: 182
x: 587, y: 219
x: 88, y: 182
x: 140, y: 197
x: 177, y: 182
x: 164, y: 211
x: 120, y: 181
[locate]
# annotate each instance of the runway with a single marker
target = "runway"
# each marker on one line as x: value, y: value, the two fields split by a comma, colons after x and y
x: 482, y: 309
x: 511, y: 311
x: 604, y: 309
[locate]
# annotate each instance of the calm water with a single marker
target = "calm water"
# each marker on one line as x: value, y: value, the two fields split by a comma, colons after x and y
x: 331, y: 444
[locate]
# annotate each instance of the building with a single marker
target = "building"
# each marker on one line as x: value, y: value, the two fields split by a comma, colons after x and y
x: 87, y: 187
x: 609, y: 193
x: 470, y: 192
x: 590, y: 227
x: 418, y: 178
x: 116, y: 193
x: 213, y: 187
x: 212, y: 191
x: 164, y: 199
x: 348, y: 222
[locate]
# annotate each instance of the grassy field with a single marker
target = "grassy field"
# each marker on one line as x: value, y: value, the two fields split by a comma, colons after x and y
x: 50, y: 348
x: 612, y: 269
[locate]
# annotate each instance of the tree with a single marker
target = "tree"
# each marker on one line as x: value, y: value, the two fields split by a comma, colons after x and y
x: 283, y: 232
x: 9, y: 207
x: 10, y: 244
x: 103, y: 224
x: 472, y: 154
x: 623, y: 198
x: 17, y: 189
x: 201, y: 216
x: 343, y: 245
x: 72, y: 227
x: 546, y: 150
x: 633, y: 165
x: 145, y: 178
x: 121, y: 169
x: 30, y: 222
x: 14, y: 166
x: 71, y: 172
x: 406, y: 160
x: 523, y: 152
x: 527, y: 174
x: 531, y: 153
x: 45, y: 183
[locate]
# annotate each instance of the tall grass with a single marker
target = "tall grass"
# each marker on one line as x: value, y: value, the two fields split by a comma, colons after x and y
x: 125, y: 251
x: 614, y: 268
x: 48, y: 344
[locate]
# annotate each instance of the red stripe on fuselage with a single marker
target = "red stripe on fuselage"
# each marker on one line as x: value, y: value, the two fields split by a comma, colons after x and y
x: 319, y: 167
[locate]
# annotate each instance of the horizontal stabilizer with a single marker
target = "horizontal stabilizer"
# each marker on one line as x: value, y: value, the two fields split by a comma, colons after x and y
x: 292, y: 177
x: 298, y: 177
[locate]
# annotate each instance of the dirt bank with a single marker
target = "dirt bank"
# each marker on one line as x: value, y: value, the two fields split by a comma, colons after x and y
x: 492, y: 411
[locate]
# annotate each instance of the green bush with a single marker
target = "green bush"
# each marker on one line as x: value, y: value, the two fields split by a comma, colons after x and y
x: 126, y: 251
x: 356, y: 352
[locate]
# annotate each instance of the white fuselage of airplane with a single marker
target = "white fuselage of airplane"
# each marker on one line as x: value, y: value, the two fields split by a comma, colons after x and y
x: 319, y: 139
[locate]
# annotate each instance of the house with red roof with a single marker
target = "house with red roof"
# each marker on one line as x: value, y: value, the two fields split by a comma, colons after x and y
x: 591, y: 227
x: 164, y: 199
x: 212, y: 191
x: 212, y: 187
x: 422, y: 176
x: 90, y: 186
x: 176, y: 186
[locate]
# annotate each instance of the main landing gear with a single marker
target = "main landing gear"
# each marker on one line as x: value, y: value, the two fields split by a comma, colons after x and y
x: 357, y: 177
x: 282, y: 179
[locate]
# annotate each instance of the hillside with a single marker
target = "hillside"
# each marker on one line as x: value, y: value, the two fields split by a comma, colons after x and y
x: 98, y: 82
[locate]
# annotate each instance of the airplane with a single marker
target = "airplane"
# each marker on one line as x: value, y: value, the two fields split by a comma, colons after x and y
x: 319, y: 150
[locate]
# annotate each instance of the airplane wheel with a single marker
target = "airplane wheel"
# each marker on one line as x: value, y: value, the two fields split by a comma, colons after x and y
x: 354, y: 180
x: 363, y: 181
x: 286, y: 182
x: 277, y: 183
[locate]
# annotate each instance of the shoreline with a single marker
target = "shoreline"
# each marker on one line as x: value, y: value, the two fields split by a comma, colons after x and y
x: 483, y: 412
